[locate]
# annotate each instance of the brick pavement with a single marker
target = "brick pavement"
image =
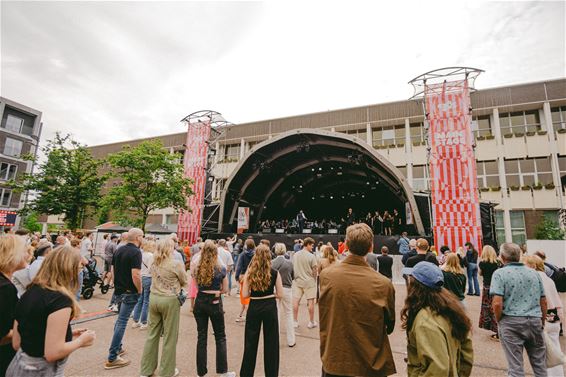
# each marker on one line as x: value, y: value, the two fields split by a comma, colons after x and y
x: 302, y: 360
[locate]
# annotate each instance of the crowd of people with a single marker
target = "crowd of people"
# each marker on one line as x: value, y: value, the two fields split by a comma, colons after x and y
x: 152, y: 278
x: 381, y: 222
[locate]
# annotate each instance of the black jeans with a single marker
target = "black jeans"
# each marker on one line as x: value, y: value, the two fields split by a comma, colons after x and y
x: 261, y: 312
x: 208, y: 306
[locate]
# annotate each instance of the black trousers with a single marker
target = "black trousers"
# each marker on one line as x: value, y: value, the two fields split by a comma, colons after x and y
x: 261, y: 312
x: 207, y: 307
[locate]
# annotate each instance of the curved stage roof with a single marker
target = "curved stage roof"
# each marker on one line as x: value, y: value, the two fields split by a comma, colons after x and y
x: 306, y: 168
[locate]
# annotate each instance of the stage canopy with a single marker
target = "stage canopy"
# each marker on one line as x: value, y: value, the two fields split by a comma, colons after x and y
x: 320, y: 172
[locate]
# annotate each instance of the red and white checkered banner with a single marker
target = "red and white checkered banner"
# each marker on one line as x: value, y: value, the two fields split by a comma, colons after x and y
x: 454, y: 191
x: 195, y: 163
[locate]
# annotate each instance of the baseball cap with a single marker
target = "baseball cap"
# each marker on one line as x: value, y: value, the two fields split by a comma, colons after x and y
x: 428, y: 274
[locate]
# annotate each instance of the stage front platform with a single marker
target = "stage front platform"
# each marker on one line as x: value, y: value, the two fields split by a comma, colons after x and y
x: 288, y: 239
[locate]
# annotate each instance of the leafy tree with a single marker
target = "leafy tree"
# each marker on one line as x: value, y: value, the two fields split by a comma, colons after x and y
x: 31, y: 222
x: 147, y: 178
x: 67, y: 183
x: 548, y: 229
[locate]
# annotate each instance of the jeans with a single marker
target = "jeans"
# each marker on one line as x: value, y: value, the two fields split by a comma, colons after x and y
x: 207, y: 307
x: 126, y: 302
x: 285, y: 308
x: 516, y: 333
x: 472, y: 271
x: 261, y: 312
x: 79, y: 292
x: 164, y: 313
x: 140, y: 311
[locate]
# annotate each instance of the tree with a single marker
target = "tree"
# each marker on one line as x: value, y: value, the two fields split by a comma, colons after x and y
x: 147, y: 177
x: 548, y: 229
x: 67, y: 183
x: 30, y: 222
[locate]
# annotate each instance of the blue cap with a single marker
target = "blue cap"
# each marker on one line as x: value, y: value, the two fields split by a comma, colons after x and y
x: 428, y: 274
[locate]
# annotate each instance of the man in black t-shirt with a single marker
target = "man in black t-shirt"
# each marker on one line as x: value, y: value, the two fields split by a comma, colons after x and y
x: 126, y: 266
x: 422, y: 254
x: 385, y: 263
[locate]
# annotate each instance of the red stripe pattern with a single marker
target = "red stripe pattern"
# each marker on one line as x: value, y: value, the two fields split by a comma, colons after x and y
x: 454, y: 191
x: 194, y: 162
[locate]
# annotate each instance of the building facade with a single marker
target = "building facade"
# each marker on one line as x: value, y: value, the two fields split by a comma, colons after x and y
x: 20, y: 130
x: 519, y: 131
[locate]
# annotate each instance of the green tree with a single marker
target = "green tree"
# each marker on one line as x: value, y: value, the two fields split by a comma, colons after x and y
x: 147, y: 177
x: 548, y: 229
x: 67, y: 183
x: 31, y: 222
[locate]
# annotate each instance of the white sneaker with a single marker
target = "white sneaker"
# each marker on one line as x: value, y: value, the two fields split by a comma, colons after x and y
x: 228, y: 374
x: 176, y: 372
x: 312, y: 325
x: 241, y: 318
x: 113, y: 308
x: 135, y: 325
x: 296, y: 324
x: 143, y: 326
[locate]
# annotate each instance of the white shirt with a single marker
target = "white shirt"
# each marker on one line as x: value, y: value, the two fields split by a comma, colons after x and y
x: 225, y: 256
x: 147, y: 261
x: 34, y: 267
x: 86, y: 246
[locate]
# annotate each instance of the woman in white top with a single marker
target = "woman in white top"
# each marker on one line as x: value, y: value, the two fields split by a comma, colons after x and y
x: 553, y: 310
x: 141, y: 308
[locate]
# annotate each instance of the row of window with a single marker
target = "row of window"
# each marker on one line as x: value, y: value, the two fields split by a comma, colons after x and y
x: 13, y: 147
x: 5, y: 197
x: 518, y: 228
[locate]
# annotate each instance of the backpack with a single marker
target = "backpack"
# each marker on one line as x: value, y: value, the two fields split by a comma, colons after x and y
x: 558, y: 276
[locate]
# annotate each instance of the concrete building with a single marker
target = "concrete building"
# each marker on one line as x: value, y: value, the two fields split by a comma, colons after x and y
x: 520, y: 134
x: 20, y: 130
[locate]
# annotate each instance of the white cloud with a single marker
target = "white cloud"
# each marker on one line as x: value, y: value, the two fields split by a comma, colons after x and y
x: 114, y: 71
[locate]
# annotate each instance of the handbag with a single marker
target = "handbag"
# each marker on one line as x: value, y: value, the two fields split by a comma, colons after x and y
x: 182, y: 297
x: 554, y: 355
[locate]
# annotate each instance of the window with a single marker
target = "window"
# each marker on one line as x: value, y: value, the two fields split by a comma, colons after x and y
x: 231, y: 152
x: 481, y: 126
x: 519, y: 122
x: 13, y: 123
x: 217, y: 194
x: 418, y: 133
x: 488, y: 174
x: 403, y: 170
x: 8, y: 171
x: 251, y: 144
x: 420, y: 178
x: 171, y: 219
x: 558, y: 118
x: 389, y: 135
x: 361, y: 134
x: 562, y: 165
x: 518, y: 231
x: 5, y: 196
x: 13, y: 147
x: 528, y: 172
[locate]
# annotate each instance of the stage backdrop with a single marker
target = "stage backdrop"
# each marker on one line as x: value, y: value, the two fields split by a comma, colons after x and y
x: 454, y: 191
x: 195, y: 162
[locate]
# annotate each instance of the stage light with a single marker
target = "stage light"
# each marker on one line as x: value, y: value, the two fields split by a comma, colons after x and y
x: 312, y: 169
x: 339, y: 173
x: 312, y: 198
x: 367, y: 182
x: 363, y: 196
x: 300, y: 186
x: 331, y: 197
x: 319, y: 169
x: 318, y: 175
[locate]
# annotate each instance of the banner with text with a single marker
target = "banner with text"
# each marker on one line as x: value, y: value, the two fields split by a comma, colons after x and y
x: 454, y: 190
x: 195, y: 163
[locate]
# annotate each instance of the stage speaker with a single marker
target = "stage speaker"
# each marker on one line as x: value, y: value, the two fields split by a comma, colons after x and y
x: 487, y: 214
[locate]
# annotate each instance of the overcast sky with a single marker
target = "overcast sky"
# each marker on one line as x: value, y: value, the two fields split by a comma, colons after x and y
x: 109, y: 72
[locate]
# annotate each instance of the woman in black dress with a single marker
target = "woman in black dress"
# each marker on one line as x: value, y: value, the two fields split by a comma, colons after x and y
x: 387, y: 223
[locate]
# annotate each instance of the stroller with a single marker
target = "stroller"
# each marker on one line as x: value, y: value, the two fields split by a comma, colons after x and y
x: 91, y: 278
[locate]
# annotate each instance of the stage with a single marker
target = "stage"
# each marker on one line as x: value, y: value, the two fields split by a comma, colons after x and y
x: 288, y: 239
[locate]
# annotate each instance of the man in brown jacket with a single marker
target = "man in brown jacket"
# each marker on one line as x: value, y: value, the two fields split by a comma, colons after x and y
x: 357, y: 312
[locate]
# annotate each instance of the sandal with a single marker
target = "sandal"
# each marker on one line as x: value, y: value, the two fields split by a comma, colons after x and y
x: 494, y: 337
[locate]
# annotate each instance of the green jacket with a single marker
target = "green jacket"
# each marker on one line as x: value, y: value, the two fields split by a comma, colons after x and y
x: 433, y: 351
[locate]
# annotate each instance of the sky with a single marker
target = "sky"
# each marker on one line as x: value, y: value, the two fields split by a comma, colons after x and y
x: 113, y: 71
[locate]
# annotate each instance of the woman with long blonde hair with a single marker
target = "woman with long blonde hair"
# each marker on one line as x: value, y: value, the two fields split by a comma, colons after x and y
x: 168, y: 278
x: 13, y: 257
x: 487, y: 266
x: 211, y: 277
x: 262, y: 284
x: 328, y: 258
x: 42, y: 330
x: 454, y: 278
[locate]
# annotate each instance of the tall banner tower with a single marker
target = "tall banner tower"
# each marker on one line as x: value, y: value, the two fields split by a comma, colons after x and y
x: 452, y: 164
x: 199, y: 148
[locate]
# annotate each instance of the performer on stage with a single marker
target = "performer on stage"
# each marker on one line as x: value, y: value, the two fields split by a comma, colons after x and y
x: 301, y: 219
x: 350, y: 217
